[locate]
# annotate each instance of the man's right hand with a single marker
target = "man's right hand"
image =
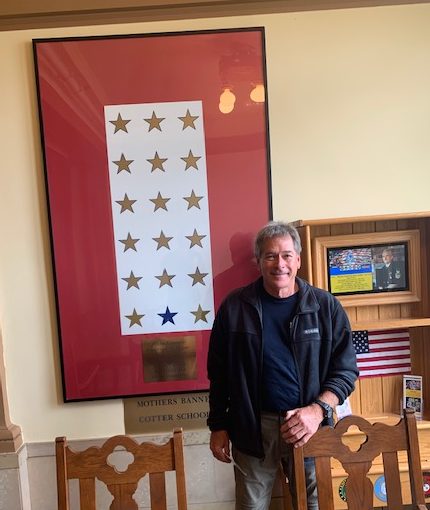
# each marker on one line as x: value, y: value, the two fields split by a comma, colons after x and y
x: 220, y: 445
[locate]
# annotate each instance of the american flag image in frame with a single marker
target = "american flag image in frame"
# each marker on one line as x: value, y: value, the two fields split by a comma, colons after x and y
x: 157, y: 170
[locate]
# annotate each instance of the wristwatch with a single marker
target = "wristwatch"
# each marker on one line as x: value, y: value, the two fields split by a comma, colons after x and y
x: 327, y: 409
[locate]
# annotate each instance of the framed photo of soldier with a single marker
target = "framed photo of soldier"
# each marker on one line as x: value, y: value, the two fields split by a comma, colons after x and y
x: 372, y: 268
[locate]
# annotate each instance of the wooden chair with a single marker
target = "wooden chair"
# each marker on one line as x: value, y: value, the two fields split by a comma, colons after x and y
x: 94, y: 463
x: 381, y: 439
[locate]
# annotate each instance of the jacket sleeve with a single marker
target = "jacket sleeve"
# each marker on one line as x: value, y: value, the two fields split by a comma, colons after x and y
x: 343, y: 370
x: 217, y: 366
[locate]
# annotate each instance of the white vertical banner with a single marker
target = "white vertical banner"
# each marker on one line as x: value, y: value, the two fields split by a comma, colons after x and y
x: 159, y: 195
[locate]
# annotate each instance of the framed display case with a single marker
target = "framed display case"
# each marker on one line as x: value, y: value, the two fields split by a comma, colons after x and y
x: 376, y: 268
x: 156, y: 157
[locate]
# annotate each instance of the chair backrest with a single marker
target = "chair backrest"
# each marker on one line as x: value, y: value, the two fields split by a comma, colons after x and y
x: 382, y: 439
x: 93, y: 463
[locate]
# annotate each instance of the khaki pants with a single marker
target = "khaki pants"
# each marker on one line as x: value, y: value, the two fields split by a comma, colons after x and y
x: 255, y: 477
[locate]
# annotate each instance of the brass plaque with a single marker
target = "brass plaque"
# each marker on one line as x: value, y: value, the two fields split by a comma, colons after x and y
x: 162, y: 413
x: 169, y: 359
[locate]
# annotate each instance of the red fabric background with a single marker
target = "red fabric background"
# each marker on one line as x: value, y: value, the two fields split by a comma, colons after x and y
x: 76, y: 78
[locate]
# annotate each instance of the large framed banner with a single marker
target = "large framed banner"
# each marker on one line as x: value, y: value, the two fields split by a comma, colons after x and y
x: 156, y: 157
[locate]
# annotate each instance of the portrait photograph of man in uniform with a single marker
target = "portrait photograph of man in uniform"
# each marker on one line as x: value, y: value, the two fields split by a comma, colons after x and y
x: 280, y: 359
x: 391, y: 274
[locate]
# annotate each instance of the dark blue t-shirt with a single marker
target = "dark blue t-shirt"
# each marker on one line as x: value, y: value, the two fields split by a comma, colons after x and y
x: 280, y: 382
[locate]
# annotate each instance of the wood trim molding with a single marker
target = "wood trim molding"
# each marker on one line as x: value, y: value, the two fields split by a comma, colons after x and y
x: 21, y: 14
x: 10, y: 434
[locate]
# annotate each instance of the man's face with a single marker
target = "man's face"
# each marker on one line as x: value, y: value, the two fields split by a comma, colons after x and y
x: 279, y: 263
x: 387, y: 257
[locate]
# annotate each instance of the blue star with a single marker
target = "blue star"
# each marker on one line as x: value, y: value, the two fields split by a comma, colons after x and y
x: 168, y: 316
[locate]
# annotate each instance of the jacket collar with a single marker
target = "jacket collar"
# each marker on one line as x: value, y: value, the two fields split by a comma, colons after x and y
x: 307, y: 299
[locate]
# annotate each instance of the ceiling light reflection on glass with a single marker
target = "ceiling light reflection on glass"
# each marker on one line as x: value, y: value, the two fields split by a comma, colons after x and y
x: 226, y: 101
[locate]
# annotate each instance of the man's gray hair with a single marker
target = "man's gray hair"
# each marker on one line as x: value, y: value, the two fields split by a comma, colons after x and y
x: 276, y: 229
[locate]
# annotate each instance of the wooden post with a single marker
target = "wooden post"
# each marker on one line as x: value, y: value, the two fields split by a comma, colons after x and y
x: 10, y: 434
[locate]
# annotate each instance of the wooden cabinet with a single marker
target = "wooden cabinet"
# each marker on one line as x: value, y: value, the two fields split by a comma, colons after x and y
x: 379, y: 398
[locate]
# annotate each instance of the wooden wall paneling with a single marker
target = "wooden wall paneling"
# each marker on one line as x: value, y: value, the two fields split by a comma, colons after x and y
x: 392, y: 389
x: 317, y: 231
x: 425, y: 273
x: 408, y: 223
x: 341, y: 229
x: 367, y: 313
x: 355, y: 399
x: 363, y: 226
x: 378, y: 396
x: 385, y: 226
x: 351, y: 311
x: 371, y: 396
x: 424, y: 348
x: 391, y: 385
x: 389, y: 311
x: 418, y: 351
x: 306, y: 255
x: 370, y: 387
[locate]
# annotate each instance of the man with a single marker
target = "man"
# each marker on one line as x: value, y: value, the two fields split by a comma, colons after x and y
x: 280, y: 358
x: 392, y: 274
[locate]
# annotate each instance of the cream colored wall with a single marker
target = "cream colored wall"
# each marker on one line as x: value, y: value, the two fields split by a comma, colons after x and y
x: 349, y: 126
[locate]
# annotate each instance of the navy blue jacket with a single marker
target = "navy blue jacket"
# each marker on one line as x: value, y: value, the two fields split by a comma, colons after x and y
x: 322, y: 348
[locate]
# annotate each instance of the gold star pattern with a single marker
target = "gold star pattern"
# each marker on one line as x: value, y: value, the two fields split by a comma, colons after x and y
x: 165, y: 279
x: 120, y: 124
x: 132, y: 281
x: 154, y: 122
x: 135, y: 317
x: 191, y: 160
x: 123, y: 164
x: 198, y: 277
x: 200, y: 314
x: 196, y: 239
x: 159, y: 202
x: 126, y: 204
x: 162, y: 241
x: 129, y: 243
x: 193, y: 200
x: 188, y: 120
x: 157, y: 162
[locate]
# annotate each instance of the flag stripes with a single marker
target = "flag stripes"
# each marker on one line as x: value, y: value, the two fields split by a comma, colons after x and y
x: 382, y: 352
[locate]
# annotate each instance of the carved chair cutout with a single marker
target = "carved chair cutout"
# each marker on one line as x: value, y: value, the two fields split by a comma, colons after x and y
x: 120, y: 479
x: 357, y: 445
x: 381, y: 439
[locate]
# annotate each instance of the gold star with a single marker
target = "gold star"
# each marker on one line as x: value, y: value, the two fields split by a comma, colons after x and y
x: 154, y: 122
x: 132, y: 281
x: 165, y: 279
x: 126, y: 204
x: 129, y: 243
x: 188, y: 120
x: 123, y: 164
x: 191, y: 161
x: 200, y: 314
x: 196, y: 239
x: 157, y: 162
x: 134, y: 318
x: 193, y: 200
x: 198, y: 277
x: 159, y: 202
x: 162, y: 241
x: 120, y: 124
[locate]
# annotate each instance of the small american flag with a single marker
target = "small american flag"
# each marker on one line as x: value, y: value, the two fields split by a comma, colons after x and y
x: 382, y: 353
